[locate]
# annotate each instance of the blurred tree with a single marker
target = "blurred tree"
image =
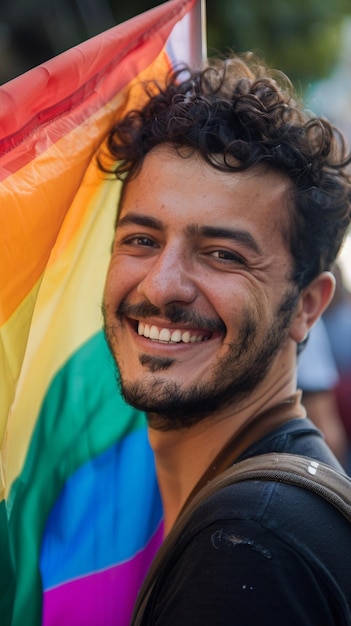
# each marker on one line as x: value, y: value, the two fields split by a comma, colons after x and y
x: 300, y: 37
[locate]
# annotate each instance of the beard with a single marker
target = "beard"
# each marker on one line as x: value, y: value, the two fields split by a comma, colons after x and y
x: 233, y: 377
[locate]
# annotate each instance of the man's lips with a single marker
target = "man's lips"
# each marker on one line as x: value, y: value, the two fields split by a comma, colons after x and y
x: 172, y: 317
x: 172, y: 335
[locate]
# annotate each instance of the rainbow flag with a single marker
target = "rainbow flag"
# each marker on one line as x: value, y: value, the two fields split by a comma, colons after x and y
x: 80, y: 512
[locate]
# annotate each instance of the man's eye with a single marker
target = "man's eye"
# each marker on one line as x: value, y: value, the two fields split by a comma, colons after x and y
x: 225, y: 255
x: 140, y: 241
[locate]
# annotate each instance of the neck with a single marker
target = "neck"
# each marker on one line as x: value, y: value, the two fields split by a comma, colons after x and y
x: 183, y: 456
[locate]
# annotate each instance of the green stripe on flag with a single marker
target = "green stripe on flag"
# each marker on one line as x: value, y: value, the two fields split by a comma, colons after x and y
x: 82, y: 414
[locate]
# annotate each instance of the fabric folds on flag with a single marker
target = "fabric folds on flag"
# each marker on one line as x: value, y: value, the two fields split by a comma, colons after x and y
x: 80, y: 512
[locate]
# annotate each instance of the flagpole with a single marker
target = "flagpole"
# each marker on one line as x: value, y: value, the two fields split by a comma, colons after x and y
x: 197, y: 19
x: 188, y: 42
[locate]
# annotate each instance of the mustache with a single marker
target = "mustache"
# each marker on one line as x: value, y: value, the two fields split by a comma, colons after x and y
x: 173, y: 313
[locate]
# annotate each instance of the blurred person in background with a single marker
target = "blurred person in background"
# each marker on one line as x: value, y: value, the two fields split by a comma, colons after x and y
x: 318, y: 378
x: 337, y: 320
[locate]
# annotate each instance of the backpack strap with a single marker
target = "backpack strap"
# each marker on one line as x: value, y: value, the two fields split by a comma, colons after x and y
x: 292, y: 469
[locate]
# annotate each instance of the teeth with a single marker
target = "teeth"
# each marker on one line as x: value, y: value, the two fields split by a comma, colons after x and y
x: 176, y: 336
x: 154, y: 334
x: 186, y: 337
x: 166, y: 336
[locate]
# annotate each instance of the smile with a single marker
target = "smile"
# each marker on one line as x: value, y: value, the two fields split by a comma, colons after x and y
x: 165, y: 335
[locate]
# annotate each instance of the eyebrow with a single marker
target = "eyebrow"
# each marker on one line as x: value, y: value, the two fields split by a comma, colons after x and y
x: 233, y: 234
x: 213, y: 232
x: 141, y: 220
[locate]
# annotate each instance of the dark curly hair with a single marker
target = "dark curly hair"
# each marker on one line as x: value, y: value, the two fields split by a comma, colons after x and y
x: 239, y: 114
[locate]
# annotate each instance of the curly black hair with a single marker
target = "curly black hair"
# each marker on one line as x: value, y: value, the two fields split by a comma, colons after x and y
x: 239, y: 114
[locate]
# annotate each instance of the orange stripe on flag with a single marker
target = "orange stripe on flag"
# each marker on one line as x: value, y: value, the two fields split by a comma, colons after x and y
x: 43, y: 161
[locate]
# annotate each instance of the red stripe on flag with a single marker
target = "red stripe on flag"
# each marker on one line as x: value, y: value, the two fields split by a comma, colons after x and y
x: 39, y: 97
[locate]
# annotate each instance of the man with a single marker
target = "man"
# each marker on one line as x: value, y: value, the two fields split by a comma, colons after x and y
x: 233, y: 209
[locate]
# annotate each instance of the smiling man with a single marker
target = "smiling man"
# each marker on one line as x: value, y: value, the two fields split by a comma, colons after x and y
x: 234, y: 207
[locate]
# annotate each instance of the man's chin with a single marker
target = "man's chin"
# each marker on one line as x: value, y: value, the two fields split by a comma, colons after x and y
x: 168, y: 406
x: 155, y: 364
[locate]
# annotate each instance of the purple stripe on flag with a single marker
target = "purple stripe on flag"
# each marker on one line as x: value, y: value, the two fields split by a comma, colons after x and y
x: 104, y: 598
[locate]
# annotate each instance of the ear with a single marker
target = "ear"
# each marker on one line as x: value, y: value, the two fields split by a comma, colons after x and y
x: 313, y: 300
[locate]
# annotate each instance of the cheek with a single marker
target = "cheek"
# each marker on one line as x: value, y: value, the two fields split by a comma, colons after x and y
x: 233, y: 302
x: 109, y: 289
x: 117, y: 284
x: 257, y: 300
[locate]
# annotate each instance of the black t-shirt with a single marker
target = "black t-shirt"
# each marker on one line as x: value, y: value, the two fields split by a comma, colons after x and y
x: 261, y: 553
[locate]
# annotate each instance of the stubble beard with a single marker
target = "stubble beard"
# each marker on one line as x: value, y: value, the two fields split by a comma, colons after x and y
x: 234, y: 377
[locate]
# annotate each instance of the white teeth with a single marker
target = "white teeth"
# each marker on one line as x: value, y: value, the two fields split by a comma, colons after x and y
x: 154, y: 334
x: 176, y: 336
x: 186, y: 337
x: 167, y: 336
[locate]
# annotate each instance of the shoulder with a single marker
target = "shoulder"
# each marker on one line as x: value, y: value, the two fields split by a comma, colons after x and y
x: 261, y: 548
x: 297, y: 436
x: 256, y: 549
x: 283, y: 516
x: 292, y: 513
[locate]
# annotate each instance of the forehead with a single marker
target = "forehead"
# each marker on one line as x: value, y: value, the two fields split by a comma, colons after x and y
x: 186, y: 189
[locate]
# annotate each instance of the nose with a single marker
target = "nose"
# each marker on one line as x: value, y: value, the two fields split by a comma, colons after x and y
x: 169, y: 278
